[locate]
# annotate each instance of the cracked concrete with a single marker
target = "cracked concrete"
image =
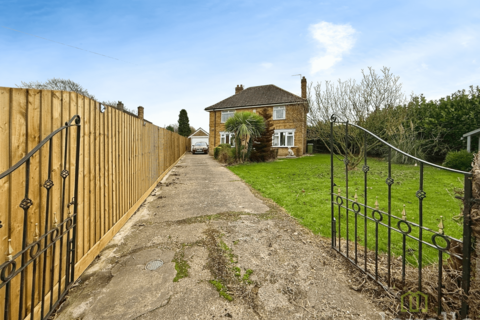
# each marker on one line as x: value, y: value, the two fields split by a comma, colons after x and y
x: 294, y: 275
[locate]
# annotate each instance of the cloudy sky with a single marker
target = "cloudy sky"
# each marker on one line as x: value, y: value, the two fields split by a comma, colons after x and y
x: 171, y: 55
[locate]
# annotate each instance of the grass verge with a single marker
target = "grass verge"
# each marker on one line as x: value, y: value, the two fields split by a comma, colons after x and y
x: 302, y: 187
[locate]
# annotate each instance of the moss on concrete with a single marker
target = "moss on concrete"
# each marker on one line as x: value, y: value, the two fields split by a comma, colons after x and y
x: 238, y: 272
x: 222, y: 289
x: 246, y: 276
x: 228, y: 251
x: 181, y: 265
x: 228, y: 215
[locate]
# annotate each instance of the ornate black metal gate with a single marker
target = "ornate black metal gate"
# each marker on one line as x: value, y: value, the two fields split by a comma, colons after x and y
x: 371, y: 221
x: 44, y: 270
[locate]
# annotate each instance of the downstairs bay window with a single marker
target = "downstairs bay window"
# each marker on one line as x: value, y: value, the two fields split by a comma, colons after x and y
x: 284, y: 138
x: 227, y: 137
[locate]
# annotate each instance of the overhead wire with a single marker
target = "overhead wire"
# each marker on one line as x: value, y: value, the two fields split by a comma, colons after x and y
x: 103, y: 55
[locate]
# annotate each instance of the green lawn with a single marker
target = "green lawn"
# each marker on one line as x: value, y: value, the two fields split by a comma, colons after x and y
x: 285, y: 180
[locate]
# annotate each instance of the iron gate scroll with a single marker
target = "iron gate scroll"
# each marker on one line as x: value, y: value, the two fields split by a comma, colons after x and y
x: 344, y: 208
x: 42, y: 271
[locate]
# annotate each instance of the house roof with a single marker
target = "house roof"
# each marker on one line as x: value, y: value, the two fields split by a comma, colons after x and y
x: 199, y: 129
x: 257, y: 96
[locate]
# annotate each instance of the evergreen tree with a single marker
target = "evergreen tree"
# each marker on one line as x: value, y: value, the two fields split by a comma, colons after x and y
x: 263, y: 144
x: 183, y: 124
x: 170, y: 128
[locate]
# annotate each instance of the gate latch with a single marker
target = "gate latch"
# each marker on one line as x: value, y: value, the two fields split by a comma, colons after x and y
x: 471, y: 200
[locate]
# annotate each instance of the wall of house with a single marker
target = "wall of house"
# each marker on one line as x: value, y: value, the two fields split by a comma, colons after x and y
x: 295, y: 118
x: 199, y: 134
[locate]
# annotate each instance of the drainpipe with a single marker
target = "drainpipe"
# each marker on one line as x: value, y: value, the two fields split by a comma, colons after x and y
x: 214, y: 128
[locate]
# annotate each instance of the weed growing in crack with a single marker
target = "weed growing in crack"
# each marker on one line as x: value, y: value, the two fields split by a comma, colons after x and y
x: 227, y: 277
x: 238, y: 272
x: 181, y: 265
x: 228, y: 251
x: 222, y: 289
x: 246, y: 276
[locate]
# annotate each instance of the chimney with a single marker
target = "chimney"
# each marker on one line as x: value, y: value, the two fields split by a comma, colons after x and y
x: 238, y: 88
x: 304, y: 88
x: 120, y: 105
x: 140, y: 112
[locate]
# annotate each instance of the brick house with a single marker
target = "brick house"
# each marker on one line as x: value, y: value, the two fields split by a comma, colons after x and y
x: 289, y: 115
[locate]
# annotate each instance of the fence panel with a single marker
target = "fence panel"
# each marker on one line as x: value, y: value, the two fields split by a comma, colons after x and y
x: 122, y: 157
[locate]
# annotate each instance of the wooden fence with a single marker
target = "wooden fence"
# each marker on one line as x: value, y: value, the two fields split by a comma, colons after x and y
x: 122, y: 158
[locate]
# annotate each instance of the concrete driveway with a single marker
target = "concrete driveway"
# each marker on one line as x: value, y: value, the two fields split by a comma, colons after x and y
x: 203, y: 246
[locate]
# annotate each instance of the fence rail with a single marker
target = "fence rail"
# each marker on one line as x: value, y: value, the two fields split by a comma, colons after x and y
x: 122, y: 158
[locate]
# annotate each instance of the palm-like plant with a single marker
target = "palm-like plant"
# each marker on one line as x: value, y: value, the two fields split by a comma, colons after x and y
x: 246, y: 126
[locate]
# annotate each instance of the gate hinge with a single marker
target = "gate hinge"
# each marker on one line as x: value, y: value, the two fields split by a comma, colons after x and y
x: 71, y: 202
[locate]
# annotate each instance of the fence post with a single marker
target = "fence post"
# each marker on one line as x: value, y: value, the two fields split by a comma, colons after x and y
x: 332, y: 221
x: 467, y: 243
x: 475, y: 216
x: 140, y: 112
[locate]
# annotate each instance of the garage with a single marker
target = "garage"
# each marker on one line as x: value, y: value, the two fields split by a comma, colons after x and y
x: 199, y: 136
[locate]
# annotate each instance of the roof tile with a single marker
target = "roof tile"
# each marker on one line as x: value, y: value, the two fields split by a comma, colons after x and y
x: 257, y: 96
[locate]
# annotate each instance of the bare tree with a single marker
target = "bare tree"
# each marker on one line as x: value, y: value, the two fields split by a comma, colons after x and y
x: 357, y: 103
x: 57, y: 84
x: 69, y: 85
x: 111, y: 103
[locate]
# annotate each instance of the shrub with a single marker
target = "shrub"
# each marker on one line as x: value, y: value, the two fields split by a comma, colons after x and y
x: 460, y: 160
x: 223, y: 156
x: 226, y: 154
x: 404, y: 138
x: 224, y: 146
x: 216, y: 152
x: 443, y: 122
x: 231, y: 156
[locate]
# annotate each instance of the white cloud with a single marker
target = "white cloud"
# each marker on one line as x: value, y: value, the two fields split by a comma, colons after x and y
x: 466, y: 40
x: 267, y: 65
x: 434, y: 64
x: 335, y: 40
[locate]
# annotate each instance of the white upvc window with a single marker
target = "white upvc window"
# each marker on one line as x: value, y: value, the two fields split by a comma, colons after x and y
x: 279, y: 113
x: 284, y: 138
x: 226, y: 115
x: 227, y: 137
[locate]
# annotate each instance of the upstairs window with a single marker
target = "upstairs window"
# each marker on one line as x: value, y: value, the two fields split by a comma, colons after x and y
x: 226, y: 115
x: 283, y: 138
x: 278, y: 113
